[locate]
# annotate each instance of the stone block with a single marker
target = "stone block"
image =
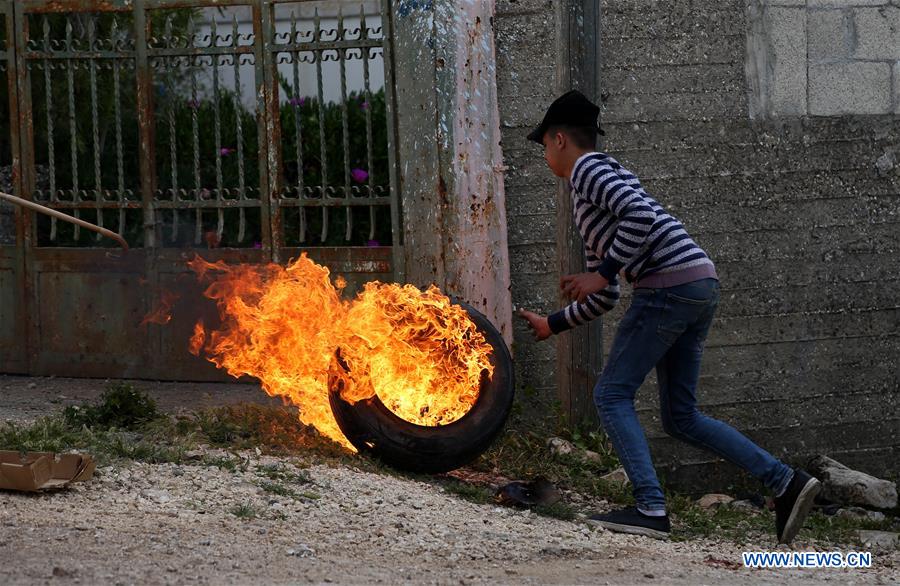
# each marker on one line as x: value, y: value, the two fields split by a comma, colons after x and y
x: 844, y: 3
x: 879, y: 540
x: 617, y: 476
x: 788, y: 46
x: 847, y: 486
x: 504, y: 7
x: 877, y: 33
x: 850, y: 88
x: 524, y: 230
x: 897, y: 87
x: 827, y: 32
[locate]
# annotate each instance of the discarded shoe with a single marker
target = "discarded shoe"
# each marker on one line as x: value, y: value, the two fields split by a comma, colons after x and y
x: 539, y: 491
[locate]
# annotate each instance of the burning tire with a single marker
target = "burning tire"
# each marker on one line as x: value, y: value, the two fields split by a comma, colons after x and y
x: 373, y: 428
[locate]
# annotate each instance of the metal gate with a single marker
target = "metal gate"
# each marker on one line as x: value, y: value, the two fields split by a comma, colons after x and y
x: 241, y: 130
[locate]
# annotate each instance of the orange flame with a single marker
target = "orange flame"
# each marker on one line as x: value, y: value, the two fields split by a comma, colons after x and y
x: 198, y: 339
x: 162, y: 314
x: 421, y: 355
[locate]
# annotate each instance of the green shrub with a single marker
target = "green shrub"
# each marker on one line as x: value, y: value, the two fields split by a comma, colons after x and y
x: 121, y: 406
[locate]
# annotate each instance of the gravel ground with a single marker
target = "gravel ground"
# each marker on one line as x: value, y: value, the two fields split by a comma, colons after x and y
x: 139, y: 523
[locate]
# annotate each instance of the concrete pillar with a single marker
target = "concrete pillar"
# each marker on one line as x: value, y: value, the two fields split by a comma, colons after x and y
x: 448, y: 141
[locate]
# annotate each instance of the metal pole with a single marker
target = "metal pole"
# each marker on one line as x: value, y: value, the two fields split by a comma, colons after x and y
x: 65, y: 217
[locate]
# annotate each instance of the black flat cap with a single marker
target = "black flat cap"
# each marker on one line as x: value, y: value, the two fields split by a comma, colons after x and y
x: 570, y: 109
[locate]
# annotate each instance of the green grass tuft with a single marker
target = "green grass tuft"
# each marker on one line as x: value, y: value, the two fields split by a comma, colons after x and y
x: 470, y: 492
x: 244, y: 511
x: 121, y: 406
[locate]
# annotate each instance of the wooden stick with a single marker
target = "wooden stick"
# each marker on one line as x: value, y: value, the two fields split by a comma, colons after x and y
x: 65, y: 217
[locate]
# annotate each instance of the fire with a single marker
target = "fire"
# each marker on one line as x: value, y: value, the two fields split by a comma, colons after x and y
x: 419, y: 353
x: 162, y: 313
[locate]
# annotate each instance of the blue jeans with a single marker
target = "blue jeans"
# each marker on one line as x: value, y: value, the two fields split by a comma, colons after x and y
x: 667, y: 328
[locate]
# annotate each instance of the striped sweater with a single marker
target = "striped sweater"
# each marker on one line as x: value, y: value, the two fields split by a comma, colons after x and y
x: 625, y: 230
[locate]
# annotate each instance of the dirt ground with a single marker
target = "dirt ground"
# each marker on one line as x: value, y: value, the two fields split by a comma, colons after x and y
x: 198, y: 524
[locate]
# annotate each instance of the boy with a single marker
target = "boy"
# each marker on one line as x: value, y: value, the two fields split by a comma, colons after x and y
x: 676, y: 290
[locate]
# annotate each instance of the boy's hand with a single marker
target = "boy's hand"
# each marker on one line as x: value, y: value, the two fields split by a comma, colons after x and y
x: 581, y: 285
x: 538, y: 324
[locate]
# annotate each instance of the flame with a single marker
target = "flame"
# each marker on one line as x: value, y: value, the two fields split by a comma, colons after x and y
x: 162, y: 314
x: 197, y: 339
x: 422, y: 355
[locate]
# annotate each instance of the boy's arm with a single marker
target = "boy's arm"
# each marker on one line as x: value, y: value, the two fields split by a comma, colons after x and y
x: 606, y: 188
x: 594, y: 305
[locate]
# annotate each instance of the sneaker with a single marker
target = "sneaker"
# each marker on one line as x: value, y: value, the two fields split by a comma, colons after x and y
x: 794, y: 505
x: 633, y: 521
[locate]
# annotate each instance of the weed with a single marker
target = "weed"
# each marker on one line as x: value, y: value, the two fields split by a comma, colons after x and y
x: 470, y: 492
x: 276, y: 488
x: 229, y: 463
x: 558, y: 510
x: 244, y: 511
x: 281, y: 472
x: 121, y: 406
x: 273, y: 429
x: 56, y: 434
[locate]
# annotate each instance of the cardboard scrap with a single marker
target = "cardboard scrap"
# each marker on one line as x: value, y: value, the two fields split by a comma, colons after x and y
x: 34, y: 471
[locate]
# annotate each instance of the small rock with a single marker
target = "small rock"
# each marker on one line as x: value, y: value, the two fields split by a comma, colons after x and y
x: 617, y: 476
x: 590, y: 456
x: 830, y: 509
x: 34, y: 386
x: 886, y: 163
x: 301, y: 551
x: 62, y: 572
x: 851, y: 487
x: 713, y: 500
x: 206, y: 542
x: 743, y: 505
x: 859, y: 513
x: 157, y: 496
x: 560, y: 447
x: 879, y: 539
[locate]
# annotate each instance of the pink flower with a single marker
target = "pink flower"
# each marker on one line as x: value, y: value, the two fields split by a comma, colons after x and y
x: 225, y: 151
x: 359, y: 175
x: 373, y: 243
x: 298, y: 102
x: 364, y: 105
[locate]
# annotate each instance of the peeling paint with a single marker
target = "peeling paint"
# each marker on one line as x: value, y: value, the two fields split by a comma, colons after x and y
x: 483, y: 273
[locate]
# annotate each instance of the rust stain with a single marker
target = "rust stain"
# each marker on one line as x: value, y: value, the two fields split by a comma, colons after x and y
x: 442, y: 191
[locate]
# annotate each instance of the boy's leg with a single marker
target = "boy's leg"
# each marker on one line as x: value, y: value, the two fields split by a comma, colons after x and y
x: 678, y: 373
x: 635, y: 351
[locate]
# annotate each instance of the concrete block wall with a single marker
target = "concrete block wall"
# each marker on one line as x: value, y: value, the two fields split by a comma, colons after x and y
x: 525, y: 34
x: 802, y: 226
x: 801, y: 223
x: 826, y: 57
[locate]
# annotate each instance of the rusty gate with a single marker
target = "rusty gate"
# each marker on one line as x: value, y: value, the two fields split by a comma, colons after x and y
x: 241, y: 130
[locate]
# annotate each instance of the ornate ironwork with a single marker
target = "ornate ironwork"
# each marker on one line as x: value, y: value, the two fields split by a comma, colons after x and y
x: 164, y: 119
